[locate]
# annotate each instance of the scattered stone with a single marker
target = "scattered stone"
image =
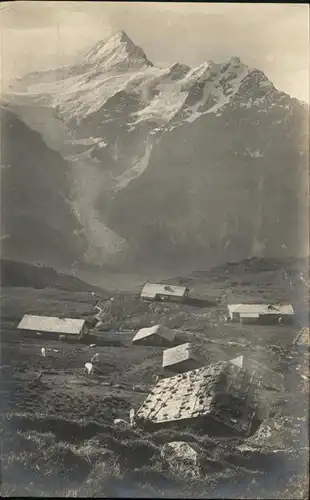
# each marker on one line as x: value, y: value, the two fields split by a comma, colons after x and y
x: 139, y: 388
x: 235, y: 344
x: 119, y: 422
x: 180, y: 449
x: 182, y: 457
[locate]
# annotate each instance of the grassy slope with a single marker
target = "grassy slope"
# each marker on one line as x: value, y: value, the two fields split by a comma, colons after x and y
x: 59, y: 438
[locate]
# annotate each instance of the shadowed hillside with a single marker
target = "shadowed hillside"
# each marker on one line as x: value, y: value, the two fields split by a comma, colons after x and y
x: 36, y: 213
x: 20, y: 274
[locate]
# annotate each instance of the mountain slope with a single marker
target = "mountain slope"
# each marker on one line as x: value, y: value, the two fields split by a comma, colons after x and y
x: 20, y: 274
x: 224, y: 187
x: 175, y: 165
x: 36, y: 213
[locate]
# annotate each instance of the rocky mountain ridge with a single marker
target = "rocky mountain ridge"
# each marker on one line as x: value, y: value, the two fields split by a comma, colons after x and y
x: 176, y: 165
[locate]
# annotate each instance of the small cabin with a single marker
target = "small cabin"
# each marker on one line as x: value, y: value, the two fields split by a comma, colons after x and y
x: 221, y: 398
x: 158, y: 292
x: 157, y: 335
x: 182, y: 358
x: 261, y: 313
x: 53, y: 327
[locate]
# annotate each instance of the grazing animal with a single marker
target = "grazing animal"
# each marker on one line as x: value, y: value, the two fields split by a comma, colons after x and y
x: 89, y: 368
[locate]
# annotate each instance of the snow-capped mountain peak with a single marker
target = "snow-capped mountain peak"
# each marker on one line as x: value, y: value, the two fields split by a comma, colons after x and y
x: 155, y: 149
x: 117, y: 51
x: 234, y: 60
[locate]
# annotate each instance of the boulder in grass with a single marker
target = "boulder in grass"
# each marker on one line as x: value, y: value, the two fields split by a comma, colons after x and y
x: 180, y: 453
x: 121, y: 423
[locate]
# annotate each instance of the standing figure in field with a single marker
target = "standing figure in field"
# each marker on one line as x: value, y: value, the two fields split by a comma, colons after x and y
x: 94, y: 358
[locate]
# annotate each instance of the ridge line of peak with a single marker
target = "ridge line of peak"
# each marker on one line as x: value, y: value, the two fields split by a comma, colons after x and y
x: 116, y: 42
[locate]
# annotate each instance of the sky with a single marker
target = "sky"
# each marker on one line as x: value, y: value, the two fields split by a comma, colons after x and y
x: 274, y: 38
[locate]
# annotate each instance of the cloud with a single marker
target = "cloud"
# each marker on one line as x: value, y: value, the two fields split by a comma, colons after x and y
x: 271, y: 37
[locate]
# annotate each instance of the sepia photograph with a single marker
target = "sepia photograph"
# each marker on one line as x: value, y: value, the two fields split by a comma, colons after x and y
x: 154, y: 249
